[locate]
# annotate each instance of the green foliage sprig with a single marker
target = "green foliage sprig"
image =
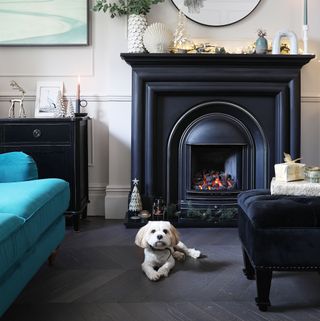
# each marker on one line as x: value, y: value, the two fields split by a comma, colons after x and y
x: 124, y: 7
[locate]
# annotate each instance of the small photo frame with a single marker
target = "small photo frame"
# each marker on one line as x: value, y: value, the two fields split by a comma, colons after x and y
x: 46, y: 99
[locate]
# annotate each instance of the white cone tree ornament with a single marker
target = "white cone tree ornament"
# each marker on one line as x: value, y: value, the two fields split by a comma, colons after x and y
x: 60, y: 110
x: 135, y: 204
x: 70, y: 109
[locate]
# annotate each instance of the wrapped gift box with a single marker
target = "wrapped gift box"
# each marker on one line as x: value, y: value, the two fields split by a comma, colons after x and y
x: 287, y: 172
x: 297, y: 188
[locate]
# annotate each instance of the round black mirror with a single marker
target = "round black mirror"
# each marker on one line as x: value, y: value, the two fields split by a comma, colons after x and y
x: 216, y: 13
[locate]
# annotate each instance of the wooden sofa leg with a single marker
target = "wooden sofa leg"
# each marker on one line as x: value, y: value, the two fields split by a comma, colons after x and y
x: 52, y: 257
x: 263, y: 279
x: 248, y: 268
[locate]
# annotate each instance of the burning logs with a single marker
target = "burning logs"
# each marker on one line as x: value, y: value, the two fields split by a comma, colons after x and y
x: 213, y: 181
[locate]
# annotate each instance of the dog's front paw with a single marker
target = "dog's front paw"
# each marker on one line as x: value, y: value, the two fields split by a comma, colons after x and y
x: 163, y: 272
x: 194, y: 253
x: 179, y: 256
x: 153, y: 275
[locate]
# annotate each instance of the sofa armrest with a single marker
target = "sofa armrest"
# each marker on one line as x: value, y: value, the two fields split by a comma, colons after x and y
x: 16, y: 167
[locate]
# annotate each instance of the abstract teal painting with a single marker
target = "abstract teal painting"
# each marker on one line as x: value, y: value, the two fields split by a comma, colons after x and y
x: 43, y: 22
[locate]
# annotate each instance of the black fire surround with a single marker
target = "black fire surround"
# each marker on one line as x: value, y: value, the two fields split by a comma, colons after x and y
x: 185, y: 100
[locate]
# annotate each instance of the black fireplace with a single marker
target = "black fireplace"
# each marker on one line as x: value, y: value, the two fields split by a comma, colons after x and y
x: 205, y: 127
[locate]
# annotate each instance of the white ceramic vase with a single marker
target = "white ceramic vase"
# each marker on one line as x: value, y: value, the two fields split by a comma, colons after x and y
x: 137, y: 25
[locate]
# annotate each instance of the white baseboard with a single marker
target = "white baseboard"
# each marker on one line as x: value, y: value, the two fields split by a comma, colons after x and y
x: 97, y: 195
x: 116, y: 201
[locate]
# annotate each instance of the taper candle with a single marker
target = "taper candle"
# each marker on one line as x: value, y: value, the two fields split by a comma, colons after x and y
x: 78, y: 89
x: 305, y: 20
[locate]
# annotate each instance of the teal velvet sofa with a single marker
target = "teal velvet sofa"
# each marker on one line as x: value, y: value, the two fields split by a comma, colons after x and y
x: 32, y: 223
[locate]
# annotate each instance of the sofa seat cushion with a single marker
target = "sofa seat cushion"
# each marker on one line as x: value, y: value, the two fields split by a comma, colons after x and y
x: 40, y: 201
x: 36, y: 205
x: 9, y: 223
x: 17, y: 166
x: 279, y: 211
x: 13, y: 241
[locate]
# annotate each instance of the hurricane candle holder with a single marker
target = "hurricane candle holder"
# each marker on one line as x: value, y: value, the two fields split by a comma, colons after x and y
x: 158, y: 209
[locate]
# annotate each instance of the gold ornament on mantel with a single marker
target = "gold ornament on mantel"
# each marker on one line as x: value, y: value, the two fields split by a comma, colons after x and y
x: 181, y: 43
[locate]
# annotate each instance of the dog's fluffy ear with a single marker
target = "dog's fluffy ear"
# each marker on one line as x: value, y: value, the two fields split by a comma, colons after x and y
x: 174, y: 235
x: 140, y: 237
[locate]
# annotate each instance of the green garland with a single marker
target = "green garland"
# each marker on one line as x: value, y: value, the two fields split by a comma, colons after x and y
x: 125, y: 7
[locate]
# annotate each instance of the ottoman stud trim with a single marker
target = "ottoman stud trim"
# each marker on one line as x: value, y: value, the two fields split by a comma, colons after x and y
x: 281, y: 268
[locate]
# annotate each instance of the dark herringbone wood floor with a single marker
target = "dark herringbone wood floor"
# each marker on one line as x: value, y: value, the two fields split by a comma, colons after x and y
x: 97, y: 277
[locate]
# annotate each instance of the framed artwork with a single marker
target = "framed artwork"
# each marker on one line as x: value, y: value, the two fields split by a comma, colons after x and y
x: 46, y: 99
x: 43, y: 23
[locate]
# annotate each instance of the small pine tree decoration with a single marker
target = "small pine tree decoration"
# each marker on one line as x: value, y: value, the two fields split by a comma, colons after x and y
x: 70, y: 109
x: 60, y: 110
x: 135, y: 204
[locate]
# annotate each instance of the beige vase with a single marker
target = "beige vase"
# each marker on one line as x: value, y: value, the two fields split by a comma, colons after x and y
x: 137, y: 25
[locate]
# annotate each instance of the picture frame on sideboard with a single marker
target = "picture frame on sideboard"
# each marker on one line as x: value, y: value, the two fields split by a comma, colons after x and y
x: 46, y: 98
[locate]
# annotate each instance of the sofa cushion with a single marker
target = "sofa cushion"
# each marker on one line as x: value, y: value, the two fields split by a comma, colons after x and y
x: 17, y: 166
x: 280, y: 211
x: 36, y: 205
x: 13, y: 242
x: 15, y: 279
x: 9, y: 223
x: 40, y: 201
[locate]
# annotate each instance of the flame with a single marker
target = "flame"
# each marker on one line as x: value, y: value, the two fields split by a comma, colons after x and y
x: 218, y: 182
x: 213, y: 181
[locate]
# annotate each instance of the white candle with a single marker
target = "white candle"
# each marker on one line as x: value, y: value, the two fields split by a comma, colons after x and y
x: 305, y: 16
x: 78, y: 89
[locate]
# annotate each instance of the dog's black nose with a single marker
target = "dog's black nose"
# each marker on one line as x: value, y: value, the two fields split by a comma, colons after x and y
x: 159, y: 237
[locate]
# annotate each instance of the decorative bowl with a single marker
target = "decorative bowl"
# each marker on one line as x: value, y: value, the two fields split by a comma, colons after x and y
x: 312, y: 174
x: 144, y: 214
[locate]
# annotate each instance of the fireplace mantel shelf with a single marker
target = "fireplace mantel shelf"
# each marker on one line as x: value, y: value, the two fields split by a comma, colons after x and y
x: 145, y: 59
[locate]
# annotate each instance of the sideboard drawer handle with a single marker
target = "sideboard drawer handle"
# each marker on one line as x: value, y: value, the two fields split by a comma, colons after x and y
x: 36, y: 133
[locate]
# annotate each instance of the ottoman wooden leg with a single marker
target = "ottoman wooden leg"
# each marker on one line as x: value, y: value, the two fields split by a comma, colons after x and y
x: 263, y: 279
x: 248, y: 268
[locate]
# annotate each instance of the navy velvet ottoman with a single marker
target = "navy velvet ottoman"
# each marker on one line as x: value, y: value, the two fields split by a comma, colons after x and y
x: 278, y: 233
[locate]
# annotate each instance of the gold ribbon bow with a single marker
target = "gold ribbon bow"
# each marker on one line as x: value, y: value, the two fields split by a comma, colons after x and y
x: 288, y: 158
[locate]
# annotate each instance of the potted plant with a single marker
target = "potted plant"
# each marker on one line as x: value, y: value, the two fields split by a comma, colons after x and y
x: 137, y: 21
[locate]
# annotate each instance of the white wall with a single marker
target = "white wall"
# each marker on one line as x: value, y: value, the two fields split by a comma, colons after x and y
x: 106, y: 84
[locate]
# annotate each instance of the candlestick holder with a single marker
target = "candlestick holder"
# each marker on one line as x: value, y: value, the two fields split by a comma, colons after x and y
x: 80, y: 103
x: 305, y: 29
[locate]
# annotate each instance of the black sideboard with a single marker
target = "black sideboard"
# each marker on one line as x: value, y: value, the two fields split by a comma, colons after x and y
x: 60, y: 148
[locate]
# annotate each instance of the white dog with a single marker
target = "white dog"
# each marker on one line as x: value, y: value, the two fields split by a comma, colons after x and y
x: 161, y: 244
